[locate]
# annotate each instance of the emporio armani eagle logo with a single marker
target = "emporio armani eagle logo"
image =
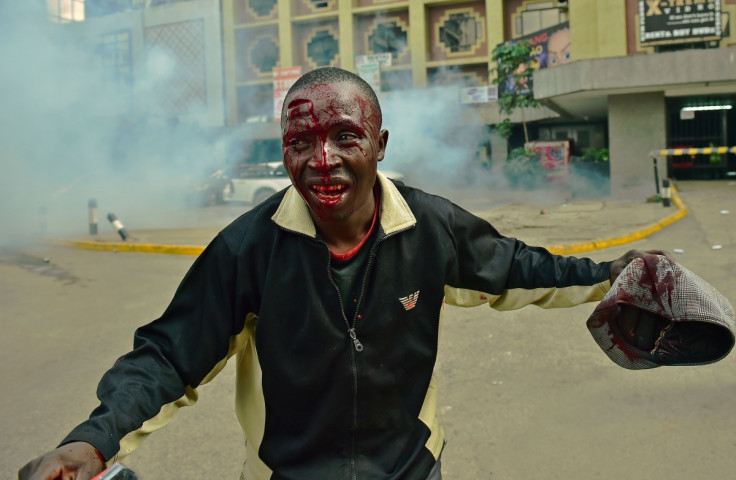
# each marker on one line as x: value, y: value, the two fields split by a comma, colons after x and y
x: 410, y: 301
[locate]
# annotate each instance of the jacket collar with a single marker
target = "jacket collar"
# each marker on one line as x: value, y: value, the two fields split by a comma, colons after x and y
x: 395, y: 214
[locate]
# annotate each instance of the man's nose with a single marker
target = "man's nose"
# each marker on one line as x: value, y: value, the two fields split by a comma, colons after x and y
x: 326, y: 156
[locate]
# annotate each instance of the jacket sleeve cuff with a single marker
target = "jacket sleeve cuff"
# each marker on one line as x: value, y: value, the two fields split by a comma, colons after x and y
x: 106, y: 448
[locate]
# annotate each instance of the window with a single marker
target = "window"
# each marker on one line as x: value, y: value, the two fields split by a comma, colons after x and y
x: 65, y: 11
x: 262, y: 8
x: 322, y: 48
x: 539, y: 16
x: 101, y: 8
x: 114, y: 52
x: 264, y: 55
x: 461, y: 32
x: 388, y: 37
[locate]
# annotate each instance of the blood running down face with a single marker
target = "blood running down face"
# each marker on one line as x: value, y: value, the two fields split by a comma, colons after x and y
x: 332, y: 143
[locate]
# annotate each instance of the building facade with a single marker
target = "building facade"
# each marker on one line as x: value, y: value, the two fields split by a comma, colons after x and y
x: 619, y: 75
x: 622, y: 73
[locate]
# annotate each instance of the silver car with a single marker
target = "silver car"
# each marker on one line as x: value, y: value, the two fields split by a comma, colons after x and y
x: 256, y: 182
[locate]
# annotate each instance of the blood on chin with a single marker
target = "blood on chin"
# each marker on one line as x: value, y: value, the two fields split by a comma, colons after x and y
x: 326, y: 199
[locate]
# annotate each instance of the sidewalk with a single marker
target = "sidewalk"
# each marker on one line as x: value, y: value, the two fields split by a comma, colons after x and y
x: 565, y: 228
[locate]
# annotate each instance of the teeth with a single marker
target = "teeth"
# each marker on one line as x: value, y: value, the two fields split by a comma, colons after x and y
x: 329, y: 188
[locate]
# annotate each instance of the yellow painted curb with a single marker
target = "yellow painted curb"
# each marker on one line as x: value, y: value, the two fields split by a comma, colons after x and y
x: 556, y: 249
x: 132, y: 247
x: 631, y: 237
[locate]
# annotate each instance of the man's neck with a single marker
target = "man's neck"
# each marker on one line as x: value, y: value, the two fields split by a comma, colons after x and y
x: 341, y: 237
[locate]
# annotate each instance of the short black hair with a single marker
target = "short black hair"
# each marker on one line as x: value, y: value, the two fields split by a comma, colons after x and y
x: 330, y: 75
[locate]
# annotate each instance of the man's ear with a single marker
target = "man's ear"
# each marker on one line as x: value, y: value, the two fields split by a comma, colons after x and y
x: 382, y: 141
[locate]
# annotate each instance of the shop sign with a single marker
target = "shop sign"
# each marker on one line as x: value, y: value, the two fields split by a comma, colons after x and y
x: 675, y: 21
x: 283, y: 79
x: 382, y: 59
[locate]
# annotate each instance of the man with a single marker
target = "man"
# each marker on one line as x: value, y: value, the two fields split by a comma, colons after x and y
x: 330, y: 294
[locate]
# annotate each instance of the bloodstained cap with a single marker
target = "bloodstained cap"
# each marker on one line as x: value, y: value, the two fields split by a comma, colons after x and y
x: 699, y: 327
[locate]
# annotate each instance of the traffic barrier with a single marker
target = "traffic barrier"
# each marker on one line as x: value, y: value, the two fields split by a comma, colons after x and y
x: 693, y: 151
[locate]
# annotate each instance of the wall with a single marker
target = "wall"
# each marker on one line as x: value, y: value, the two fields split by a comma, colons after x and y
x: 598, y: 28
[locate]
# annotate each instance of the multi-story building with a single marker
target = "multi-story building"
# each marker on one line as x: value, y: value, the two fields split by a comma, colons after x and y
x: 622, y: 75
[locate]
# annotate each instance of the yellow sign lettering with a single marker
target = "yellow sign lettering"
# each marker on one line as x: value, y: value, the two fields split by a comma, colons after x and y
x: 653, y: 8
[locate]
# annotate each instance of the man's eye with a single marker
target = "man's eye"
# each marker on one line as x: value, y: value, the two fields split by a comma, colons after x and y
x: 298, y: 142
x: 346, y: 137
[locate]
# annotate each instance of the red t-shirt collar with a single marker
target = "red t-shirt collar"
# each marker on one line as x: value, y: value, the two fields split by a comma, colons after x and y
x: 351, y: 253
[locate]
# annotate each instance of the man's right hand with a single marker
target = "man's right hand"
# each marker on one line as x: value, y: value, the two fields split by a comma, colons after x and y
x: 73, y: 461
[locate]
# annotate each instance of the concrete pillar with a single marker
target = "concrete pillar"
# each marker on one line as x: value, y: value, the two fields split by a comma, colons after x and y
x: 228, y: 46
x: 286, y: 48
x: 417, y: 43
x: 345, y: 22
x: 636, y: 126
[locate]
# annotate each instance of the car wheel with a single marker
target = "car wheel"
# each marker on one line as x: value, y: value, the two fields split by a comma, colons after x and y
x: 262, y: 195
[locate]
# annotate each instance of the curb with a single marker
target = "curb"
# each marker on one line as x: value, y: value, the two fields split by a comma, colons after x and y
x: 556, y: 249
x: 130, y: 247
x: 631, y: 237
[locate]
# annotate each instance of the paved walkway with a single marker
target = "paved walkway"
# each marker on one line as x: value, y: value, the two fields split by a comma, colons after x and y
x: 565, y: 227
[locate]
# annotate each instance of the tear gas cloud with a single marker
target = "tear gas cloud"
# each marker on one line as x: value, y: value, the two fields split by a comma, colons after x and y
x: 69, y: 135
x: 434, y: 139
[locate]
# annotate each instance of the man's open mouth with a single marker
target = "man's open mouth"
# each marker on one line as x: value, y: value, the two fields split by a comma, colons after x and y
x: 330, y: 190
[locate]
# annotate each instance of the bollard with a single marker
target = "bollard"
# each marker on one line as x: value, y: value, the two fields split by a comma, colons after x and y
x: 118, y: 225
x: 656, y: 174
x: 666, y: 192
x: 92, y: 206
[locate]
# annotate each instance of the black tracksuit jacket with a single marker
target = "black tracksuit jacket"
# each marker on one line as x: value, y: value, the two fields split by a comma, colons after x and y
x: 311, y: 404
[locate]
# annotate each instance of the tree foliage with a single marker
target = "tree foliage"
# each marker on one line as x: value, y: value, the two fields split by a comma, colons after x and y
x: 514, y: 68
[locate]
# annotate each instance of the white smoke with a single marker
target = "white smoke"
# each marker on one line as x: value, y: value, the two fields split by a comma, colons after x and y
x: 70, y: 132
x: 434, y: 140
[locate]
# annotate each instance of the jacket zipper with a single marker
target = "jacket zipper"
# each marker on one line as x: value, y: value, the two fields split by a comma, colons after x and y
x: 354, y: 337
x: 358, y: 346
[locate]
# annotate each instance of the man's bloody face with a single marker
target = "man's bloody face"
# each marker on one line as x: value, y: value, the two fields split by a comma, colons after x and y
x: 332, y: 144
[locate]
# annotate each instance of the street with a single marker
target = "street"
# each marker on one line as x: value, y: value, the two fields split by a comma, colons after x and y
x: 523, y: 395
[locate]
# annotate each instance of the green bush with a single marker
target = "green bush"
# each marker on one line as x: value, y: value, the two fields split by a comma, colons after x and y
x: 597, y: 155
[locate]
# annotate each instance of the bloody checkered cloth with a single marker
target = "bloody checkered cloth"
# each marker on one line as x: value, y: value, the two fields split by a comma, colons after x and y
x: 697, y: 324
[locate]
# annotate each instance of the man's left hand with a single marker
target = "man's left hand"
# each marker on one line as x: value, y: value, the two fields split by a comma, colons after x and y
x: 619, y: 264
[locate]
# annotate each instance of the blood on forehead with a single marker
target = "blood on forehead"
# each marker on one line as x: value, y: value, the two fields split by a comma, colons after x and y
x: 370, y: 112
x: 301, y: 112
x: 331, y: 99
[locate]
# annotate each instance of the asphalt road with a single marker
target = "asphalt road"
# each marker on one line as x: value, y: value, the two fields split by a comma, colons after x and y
x: 523, y: 395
